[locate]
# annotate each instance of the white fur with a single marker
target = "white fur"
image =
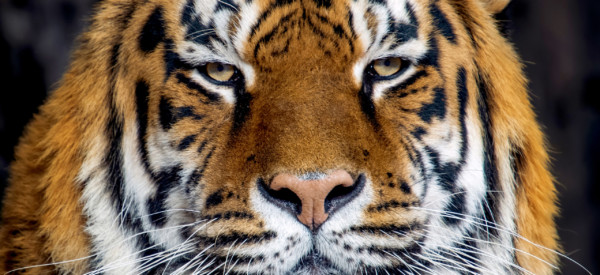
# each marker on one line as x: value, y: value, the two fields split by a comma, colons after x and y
x: 110, y: 241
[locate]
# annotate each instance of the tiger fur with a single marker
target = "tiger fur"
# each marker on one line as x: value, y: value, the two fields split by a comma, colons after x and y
x: 144, y: 161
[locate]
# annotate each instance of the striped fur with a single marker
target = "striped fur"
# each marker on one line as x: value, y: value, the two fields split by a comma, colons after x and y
x: 140, y: 163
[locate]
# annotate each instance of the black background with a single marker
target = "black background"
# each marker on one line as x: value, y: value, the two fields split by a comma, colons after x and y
x: 559, y: 41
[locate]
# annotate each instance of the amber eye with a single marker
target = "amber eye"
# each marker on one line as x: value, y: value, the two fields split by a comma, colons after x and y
x: 387, y: 66
x: 220, y: 72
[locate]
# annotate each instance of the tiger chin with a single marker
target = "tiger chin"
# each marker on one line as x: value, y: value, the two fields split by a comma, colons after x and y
x: 285, y: 137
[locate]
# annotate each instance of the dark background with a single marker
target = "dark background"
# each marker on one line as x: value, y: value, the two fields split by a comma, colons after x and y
x: 559, y: 41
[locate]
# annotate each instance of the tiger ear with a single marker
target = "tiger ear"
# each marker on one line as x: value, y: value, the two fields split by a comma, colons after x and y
x: 494, y: 6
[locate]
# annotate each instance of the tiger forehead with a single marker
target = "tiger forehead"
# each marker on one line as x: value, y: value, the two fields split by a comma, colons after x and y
x: 298, y: 33
x: 268, y: 31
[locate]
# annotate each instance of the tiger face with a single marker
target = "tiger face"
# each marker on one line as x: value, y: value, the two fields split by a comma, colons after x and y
x: 307, y: 137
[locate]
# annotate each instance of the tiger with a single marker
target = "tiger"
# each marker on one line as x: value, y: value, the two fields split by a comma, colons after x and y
x: 285, y: 137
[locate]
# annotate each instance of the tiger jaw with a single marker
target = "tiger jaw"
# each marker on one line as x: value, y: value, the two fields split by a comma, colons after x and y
x: 341, y: 245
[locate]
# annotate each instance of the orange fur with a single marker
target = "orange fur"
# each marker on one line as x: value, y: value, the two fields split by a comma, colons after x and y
x: 517, y: 130
x: 43, y: 222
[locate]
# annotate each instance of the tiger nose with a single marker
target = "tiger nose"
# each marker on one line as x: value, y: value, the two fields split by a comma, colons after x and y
x: 335, y: 188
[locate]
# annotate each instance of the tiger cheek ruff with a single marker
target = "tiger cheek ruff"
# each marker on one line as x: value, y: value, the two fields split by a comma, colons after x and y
x: 285, y: 137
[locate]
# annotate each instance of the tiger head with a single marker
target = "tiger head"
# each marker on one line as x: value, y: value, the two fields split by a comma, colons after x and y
x: 308, y: 137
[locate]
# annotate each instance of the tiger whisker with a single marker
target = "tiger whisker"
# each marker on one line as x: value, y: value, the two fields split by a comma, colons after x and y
x: 92, y: 255
x: 116, y: 264
x: 505, y: 247
x: 198, y: 35
x: 478, y: 251
x: 422, y: 245
x: 501, y: 228
x: 229, y: 5
x: 464, y: 252
x: 422, y: 266
x: 184, y: 267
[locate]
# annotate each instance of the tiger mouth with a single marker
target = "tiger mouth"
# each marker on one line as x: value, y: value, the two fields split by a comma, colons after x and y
x: 314, y: 264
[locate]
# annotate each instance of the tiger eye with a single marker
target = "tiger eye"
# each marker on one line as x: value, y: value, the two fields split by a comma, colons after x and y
x: 387, y: 66
x: 219, y: 71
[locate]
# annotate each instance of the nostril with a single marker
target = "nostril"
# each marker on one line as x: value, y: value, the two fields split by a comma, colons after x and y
x: 338, y: 193
x: 341, y: 194
x: 284, y: 197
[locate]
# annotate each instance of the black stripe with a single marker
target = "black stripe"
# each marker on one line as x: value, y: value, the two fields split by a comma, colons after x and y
x: 337, y: 30
x: 173, y: 61
x: 186, y: 142
x: 351, y: 24
x: 125, y: 17
x: 214, y: 199
x: 114, y: 59
x: 192, y: 181
x: 142, y: 101
x: 418, y: 132
x: 281, y: 27
x: 285, y: 50
x: 386, y: 229
x: 165, y: 113
x: 113, y: 158
x: 153, y: 31
x: 201, y: 147
x: 400, y: 252
x: 404, y: 32
x: 386, y: 206
x: 437, y: 108
x: 170, y: 115
x: 416, y: 158
x: 489, y: 164
x: 433, y: 54
x: 466, y: 258
x: 323, y: 3
x: 196, y: 31
x: 242, y: 107
x: 187, y: 112
x: 273, y: 7
x: 365, y: 97
x: 470, y: 23
x: 411, y: 14
x: 229, y: 215
x: 449, y: 172
x: 188, y: 13
x: 463, y: 100
x: 236, y: 237
x: 456, y: 208
x: 405, y: 84
x: 166, y: 181
x: 212, y: 97
x: 517, y: 162
x: 314, y: 27
x: 226, y: 5
x: 149, y: 255
x: 115, y: 185
x: 442, y: 24
x: 199, y: 173
x: 206, y: 159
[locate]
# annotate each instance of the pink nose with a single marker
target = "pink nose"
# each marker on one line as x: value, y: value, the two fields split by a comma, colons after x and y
x: 312, y: 194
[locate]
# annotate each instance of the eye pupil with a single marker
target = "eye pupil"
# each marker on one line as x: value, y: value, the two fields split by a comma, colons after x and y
x: 387, y: 62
